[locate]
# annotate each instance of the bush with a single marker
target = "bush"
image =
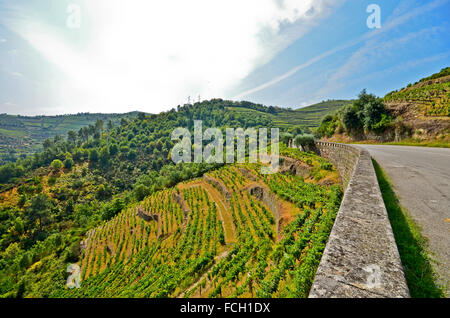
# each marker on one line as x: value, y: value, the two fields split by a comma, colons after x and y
x: 384, y: 123
x: 141, y: 191
x: 132, y: 155
x: 373, y: 112
x: 327, y: 126
x: 57, y: 164
x: 68, y: 163
x: 326, y: 166
x: 10, y: 171
x: 351, y: 120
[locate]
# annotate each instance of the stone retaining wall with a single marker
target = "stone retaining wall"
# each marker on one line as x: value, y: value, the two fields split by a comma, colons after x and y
x: 361, y: 258
x: 344, y: 157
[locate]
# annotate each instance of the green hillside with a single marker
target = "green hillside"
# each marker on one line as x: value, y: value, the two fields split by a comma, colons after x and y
x: 111, y: 200
x: 418, y: 113
x: 429, y: 97
x: 24, y: 135
x: 309, y: 116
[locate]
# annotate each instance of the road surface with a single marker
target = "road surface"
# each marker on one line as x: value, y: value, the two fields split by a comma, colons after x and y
x: 421, y: 180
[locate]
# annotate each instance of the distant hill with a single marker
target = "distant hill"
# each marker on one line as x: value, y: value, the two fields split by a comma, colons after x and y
x: 309, y: 116
x: 312, y: 115
x: 24, y: 135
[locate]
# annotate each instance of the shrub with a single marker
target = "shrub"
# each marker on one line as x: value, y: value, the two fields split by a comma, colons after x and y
x: 68, y: 163
x: 326, y: 166
x: 351, y: 120
x: 141, y: 191
x: 373, y: 112
x: 327, y: 126
x: 56, y: 164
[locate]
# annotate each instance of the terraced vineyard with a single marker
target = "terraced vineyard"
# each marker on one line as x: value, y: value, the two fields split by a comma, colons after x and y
x: 432, y: 99
x: 233, y: 232
x: 309, y: 116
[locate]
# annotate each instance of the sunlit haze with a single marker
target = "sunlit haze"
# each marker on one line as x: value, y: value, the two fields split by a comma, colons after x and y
x: 154, y: 55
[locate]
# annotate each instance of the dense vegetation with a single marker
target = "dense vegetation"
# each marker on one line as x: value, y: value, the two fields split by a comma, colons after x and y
x: 444, y: 72
x: 23, y: 135
x: 225, y: 245
x: 397, y: 113
x: 433, y: 99
x: 50, y: 201
x: 307, y: 117
x: 367, y: 114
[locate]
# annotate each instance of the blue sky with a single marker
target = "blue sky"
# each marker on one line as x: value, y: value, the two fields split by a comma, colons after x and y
x: 62, y: 56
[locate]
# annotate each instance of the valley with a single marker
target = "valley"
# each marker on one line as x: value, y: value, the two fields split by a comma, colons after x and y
x: 232, y: 233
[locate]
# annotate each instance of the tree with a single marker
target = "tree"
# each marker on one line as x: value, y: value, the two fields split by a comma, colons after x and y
x: 141, y: 191
x: 68, y: 163
x: 159, y: 145
x: 112, y: 209
x: 93, y: 155
x: 25, y: 261
x: 286, y: 137
x: 351, y: 120
x: 56, y: 165
x: 71, y: 136
x: 373, y: 112
x: 104, y: 156
x: 47, y: 143
x: 305, y: 140
x: 78, y: 155
x: 132, y: 154
x: 327, y: 126
x: 113, y: 149
x: 10, y: 171
x: 57, y: 139
x: 39, y: 210
x: 99, y: 125
x: 102, y: 192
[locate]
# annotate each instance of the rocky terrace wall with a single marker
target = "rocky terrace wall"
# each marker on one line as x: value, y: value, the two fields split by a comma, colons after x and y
x: 361, y: 258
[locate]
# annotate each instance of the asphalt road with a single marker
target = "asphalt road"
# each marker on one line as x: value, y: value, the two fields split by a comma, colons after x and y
x: 421, y: 180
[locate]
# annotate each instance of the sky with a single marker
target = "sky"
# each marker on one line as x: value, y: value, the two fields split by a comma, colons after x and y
x: 114, y: 56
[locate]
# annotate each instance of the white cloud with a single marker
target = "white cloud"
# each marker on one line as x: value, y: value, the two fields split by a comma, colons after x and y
x: 150, y: 55
x: 2, y: 40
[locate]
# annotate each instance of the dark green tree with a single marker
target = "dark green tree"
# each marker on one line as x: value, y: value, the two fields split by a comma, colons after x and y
x: 93, y: 155
x: 39, y: 210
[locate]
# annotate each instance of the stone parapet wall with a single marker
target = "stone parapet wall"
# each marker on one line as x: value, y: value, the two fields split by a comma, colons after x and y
x: 344, y: 157
x: 361, y: 258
